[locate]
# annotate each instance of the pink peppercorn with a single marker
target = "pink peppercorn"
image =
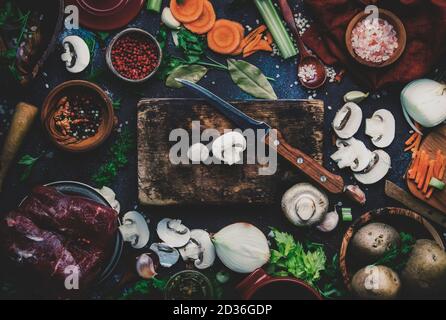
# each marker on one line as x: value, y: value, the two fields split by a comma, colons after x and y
x: 134, y: 56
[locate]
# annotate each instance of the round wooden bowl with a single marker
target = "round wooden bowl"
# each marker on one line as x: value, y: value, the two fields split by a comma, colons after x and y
x: 394, y: 21
x: 73, y: 87
x: 401, y: 219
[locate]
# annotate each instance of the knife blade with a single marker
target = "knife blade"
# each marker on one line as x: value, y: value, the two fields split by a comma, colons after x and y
x: 310, y: 167
x: 395, y: 192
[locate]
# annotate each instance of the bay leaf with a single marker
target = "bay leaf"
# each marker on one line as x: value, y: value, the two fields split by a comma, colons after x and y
x: 192, y: 73
x: 250, y: 79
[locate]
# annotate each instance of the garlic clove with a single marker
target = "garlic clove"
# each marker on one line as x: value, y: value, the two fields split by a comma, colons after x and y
x: 169, y: 20
x: 330, y: 222
x: 146, y: 265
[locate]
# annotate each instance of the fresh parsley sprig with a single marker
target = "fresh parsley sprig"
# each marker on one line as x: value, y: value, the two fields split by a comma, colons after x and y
x: 28, y: 162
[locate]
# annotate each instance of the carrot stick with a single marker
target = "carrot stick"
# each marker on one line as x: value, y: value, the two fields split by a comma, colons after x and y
x: 412, y: 139
x: 420, y: 167
x: 430, y: 192
x: 438, y: 162
x: 421, y: 175
x: 430, y: 173
x: 412, y: 170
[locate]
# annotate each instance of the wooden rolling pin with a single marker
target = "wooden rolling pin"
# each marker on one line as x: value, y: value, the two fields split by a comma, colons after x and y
x: 22, y: 121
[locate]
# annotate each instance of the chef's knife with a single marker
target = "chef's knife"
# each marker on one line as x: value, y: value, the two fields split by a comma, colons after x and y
x: 310, y: 167
x: 402, y: 196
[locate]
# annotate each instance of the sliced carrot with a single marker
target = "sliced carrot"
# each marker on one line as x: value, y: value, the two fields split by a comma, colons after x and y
x: 241, y: 28
x: 411, y: 139
x: 442, y: 169
x: 205, y: 22
x: 263, y: 45
x: 420, y: 170
x: 423, y: 172
x: 430, y: 174
x: 224, y: 38
x: 269, y: 38
x: 250, y: 47
x: 253, y: 34
x: 412, y: 170
x: 188, y: 10
x: 438, y: 162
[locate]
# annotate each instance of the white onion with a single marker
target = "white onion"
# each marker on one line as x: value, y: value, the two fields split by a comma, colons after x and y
x: 424, y: 101
x: 242, y: 247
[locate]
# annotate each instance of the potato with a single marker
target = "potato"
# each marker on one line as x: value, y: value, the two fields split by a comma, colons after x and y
x: 425, y: 271
x: 373, y: 240
x: 376, y: 282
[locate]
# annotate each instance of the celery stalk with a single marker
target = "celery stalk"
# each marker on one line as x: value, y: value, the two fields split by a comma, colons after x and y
x: 154, y: 5
x: 277, y: 28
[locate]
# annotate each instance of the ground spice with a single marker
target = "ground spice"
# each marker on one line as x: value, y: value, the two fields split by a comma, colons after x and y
x: 134, y: 56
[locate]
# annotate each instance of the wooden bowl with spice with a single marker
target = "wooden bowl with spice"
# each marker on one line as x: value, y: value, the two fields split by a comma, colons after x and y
x: 78, y: 116
x: 134, y: 55
x: 376, y: 43
x: 402, y: 220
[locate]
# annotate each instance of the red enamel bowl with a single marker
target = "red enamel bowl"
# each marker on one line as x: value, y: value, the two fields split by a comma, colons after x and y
x: 261, y: 286
x: 102, y: 7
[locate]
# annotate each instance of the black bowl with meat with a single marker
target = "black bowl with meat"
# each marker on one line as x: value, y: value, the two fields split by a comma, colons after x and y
x: 63, y: 235
x: 28, y: 35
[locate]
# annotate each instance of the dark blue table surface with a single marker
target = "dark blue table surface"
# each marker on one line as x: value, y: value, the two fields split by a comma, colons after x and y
x: 57, y: 165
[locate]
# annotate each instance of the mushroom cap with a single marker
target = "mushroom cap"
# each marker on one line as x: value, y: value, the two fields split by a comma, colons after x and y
x: 352, y: 153
x: 304, y: 204
x: 134, y: 229
x: 199, y: 249
x: 198, y: 152
x: 381, y: 127
x: 167, y: 255
x: 347, y: 120
x: 378, y: 169
x: 81, y: 54
x: 229, y: 147
x: 110, y: 196
x: 173, y: 232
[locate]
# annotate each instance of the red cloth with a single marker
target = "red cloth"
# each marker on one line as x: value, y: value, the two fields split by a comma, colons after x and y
x: 425, y: 23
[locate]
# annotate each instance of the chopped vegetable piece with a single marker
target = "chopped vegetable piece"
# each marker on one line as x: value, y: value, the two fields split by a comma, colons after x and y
x: 188, y: 10
x: 437, y: 184
x: 205, y: 22
x: 429, y: 176
x: 154, y: 5
x: 241, y: 29
x: 277, y: 28
x: 224, y: 38
x: 347, y: 214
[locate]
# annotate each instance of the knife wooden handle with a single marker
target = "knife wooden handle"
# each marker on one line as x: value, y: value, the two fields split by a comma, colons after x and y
x: 310, y: 167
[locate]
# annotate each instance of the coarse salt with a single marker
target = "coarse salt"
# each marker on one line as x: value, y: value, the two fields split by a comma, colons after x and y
x: 307, y: 73
x: 374, y: 40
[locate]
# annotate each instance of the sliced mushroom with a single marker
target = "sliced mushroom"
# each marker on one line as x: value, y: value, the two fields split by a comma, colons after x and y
x: 352, y: 153
x: 110, y: 196
x: 381, y: 127
x: 347, y: 120
x: 76, y: 55
x: 167, y: 255
x: 229, y: 147
x: 198, y: 152
x: 146, y: 265
x: 134, y: 229
x: 173, y: 232
x: 304, y: 205
x: 330, y: 222
x: 377, y: 169
x: 199, y: 249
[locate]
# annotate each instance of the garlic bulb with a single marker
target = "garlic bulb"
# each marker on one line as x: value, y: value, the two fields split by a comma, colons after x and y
x: 424, y: 101
x: 242, y: 247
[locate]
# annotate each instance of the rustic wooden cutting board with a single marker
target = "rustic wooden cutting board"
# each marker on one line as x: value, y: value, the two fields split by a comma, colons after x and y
x: 161, y: 183
x: 433, y: 141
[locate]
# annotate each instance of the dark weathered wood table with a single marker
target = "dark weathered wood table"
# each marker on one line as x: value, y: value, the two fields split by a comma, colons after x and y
x: 57, y: 165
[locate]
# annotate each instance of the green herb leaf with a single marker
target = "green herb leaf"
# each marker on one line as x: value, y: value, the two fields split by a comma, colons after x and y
x: 144, y: 287
x: 29, y: 162
x: 117, y: 154
x: 250, y: 79
x: 103, y: 36
x: 116, y: 104
x: 192, y: 73
x: 396, y: 257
